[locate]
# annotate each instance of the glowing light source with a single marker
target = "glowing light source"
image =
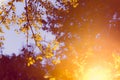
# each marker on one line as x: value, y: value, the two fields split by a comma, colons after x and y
x: 98, y: 73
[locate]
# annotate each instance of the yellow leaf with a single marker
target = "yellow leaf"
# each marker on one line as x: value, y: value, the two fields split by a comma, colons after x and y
x: 36, y: 27
x: 10, y: 3
x: 16, y: 31
x: 56, y: 61
x: 13, y: 8
x: 28, y: 64
x: 20, y: 20
x: 7, y: 27
x: 2, y: 38
x: 23, y: 29
x: 52, y: 79
x: 1, y: 17
x: 38, y: 37
x: 1, y: 43
x: 55, y: 45
x: 38, y: 44
x: 19, y: 0
x: 1, y: 31
x: 39, y: 58
x: 30, y: 61
x: 46, y: 76
x: 49, y: 55
x: 0, y: 12
x: 75, y: 5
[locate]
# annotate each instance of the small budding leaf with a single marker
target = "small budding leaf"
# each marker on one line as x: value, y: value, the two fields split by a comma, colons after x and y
x: 0, y: 12
x: 1, y: 31
x: 2, y: 38
x: 38, y: 37
x: 52, y: 79
x: 1, y: 44
x: 48, y: 52
x: 30, y: 61
x: 55, y: 45
x: 39, y: 58
x: 57, y: 61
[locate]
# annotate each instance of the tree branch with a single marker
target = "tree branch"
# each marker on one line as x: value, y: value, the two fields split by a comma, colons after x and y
x: 6, y: 14
x: 29, y: 25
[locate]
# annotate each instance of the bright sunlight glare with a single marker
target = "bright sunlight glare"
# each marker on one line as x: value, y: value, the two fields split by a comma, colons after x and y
x: 98, y: 73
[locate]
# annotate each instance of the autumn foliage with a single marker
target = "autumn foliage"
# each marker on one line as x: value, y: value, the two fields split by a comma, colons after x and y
x: 86, y: 39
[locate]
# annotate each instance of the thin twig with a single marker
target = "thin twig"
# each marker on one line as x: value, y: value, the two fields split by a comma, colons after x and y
x: 27, y: 36
x: 29, y: 25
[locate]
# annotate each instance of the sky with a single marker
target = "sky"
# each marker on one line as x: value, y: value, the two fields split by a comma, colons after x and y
x: 13, y: 42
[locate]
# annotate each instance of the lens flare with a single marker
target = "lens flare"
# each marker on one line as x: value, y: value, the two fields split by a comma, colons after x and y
x: 98, y: 73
